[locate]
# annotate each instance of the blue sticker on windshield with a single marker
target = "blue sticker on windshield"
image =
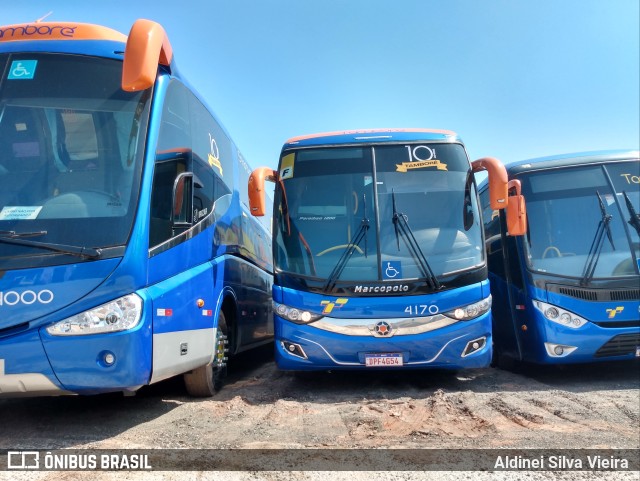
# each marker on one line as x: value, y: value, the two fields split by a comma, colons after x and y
x: 392, y: 270
x: 22, y: 69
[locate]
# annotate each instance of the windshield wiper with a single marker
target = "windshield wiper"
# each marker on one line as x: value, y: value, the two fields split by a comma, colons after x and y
x: 20, y: 235
x: 598, y: 242
x: 401, y: 226
x: 18, y: 238
x: 634, y: 220
x: 351, y: 247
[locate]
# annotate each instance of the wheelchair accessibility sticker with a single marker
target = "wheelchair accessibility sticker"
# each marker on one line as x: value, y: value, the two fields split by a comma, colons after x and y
x: 22, y: 69
x: 392, y: 270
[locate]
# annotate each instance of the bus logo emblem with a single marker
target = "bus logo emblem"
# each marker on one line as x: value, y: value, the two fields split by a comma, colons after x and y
x: 613, y: 312
x: 328, y: 305
x: 382, y: 329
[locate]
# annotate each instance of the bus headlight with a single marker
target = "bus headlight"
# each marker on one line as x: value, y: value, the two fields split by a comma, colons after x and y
x: 558, y: 315
x: 118, y: 315
x: 471, y: 311
x: 293, y: 314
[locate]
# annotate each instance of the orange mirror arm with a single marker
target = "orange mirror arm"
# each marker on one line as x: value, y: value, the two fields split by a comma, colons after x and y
x: 498, y: 180
x: 147, y: 46
x: 256, y: 189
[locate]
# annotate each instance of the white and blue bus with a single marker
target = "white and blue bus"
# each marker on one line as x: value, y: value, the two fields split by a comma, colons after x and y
x: 127, y: 254
x: 568, y: 291
x: 379, y: 257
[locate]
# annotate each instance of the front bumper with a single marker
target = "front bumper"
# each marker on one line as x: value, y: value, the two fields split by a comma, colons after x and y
x: 557, y: 344
x: 444, y: 348
x: 34, y: 363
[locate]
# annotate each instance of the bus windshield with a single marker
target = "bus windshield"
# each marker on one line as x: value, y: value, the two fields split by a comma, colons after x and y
x: 71, y: 143
x: 566, y: 208
x: 399, y: 211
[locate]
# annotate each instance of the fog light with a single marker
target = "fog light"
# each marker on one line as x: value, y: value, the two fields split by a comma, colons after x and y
x: 109, y: 358
x: 558, y: 350
x: 474, y: 346
x: 293, y: 349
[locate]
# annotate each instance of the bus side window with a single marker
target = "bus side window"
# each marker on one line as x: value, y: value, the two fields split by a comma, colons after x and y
x: 173, y: 156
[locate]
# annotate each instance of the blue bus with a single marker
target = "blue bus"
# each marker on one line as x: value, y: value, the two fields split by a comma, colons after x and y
x: 127, y: 252
x: 568, y: 291
x: 379, y: 257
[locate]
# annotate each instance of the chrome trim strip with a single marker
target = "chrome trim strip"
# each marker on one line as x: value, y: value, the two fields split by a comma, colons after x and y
x: 361, y: 364
x: 400, y: 326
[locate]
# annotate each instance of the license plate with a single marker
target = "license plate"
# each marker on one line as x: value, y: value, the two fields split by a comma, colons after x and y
x: 637, y: 351
x: 375, y: 360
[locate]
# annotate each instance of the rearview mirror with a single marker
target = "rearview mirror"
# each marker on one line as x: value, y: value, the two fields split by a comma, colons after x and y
x: 182, y: 205
x: 259, y: 176
x: 516, y: 210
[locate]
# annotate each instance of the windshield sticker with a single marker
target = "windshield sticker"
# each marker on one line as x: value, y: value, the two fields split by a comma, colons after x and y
x: 631, y: 179
x: 286, y: 167
x: 420, y: 157
x: 609, y: 199
x: 19, y: 212
x: 22, y: 69
x: 214, y: 154
x: 392, y: 270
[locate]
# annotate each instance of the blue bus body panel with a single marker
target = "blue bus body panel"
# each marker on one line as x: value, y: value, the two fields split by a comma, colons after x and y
x: 32, y: 351
x: 588, y: 339
x: 391, y: 306
x: 435, y: 349
x: 440, y: 348
x: 86, y: 372
x: 28, y: 295
x: 22, y: 357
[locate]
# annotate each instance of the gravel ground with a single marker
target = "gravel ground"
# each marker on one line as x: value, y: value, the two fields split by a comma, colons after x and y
x: 580, y: 407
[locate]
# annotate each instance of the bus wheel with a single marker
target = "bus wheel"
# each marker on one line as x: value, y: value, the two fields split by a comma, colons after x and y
x: 205, y: 381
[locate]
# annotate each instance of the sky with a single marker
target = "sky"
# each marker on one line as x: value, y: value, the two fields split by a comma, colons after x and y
x: 515, y: 79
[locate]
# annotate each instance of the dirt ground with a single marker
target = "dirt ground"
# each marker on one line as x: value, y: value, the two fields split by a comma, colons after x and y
x: 592, y: 406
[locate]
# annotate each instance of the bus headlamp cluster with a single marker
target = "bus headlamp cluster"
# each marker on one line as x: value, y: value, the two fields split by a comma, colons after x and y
x: 471, y: 311
x: 118, y: 315
x: 293, y: 314
x: 559, y: 315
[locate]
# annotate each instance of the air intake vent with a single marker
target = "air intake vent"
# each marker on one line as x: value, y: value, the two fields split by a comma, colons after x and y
x: 595, y: 294
x: 621, y: 345
x: 630, y: 295
x: 587, y: 295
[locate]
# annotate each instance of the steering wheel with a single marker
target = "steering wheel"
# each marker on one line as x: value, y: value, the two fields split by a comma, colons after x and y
x: 334, y: 248
x: 551, y: 249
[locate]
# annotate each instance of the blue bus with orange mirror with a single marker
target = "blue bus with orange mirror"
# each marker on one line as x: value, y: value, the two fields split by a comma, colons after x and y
x: 378, y: 250
x: 568, y: 291
x: 127, y: 252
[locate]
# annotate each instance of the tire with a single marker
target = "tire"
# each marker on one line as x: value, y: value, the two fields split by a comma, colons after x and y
x: 207, y: 380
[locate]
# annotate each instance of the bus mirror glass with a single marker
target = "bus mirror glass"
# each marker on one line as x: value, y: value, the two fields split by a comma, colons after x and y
x: 516, y: 210
x: 182, y: 210
x: 147, y: 46
x: 259, y: 176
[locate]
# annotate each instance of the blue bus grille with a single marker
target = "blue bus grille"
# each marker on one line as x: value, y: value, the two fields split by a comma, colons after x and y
x: 620, y: 345
x: 596, y: 294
